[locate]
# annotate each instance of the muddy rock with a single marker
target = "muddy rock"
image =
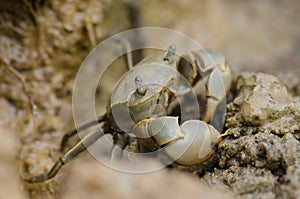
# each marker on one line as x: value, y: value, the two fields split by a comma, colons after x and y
x: 246, y: 182
x: 264, y: 102
x: 263, y: 125
x: 260, y: 150
x: 290, y: 183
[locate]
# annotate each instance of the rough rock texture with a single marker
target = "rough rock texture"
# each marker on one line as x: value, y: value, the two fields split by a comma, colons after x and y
x: 260, y: 153
x: 289, y: 183
x: 42, y: 44
x: 246, y: 182
x: 264, y: 102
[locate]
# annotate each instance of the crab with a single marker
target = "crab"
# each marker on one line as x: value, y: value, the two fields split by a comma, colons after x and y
x: 137, y: 114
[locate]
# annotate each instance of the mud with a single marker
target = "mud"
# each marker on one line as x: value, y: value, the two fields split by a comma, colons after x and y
x: 42, y: 44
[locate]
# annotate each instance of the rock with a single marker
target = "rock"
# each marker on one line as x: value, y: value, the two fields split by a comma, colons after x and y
x: 263, y: 102
x: 259, y: 155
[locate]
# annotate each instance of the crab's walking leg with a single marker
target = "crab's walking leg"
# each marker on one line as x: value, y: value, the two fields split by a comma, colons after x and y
x: 132, y: 147
x: 212, y: 67
x: 118, y: 147
x: 76, y: 150
x: 128, y: 49
x: 128, y: 141
x: 217, y: 86
x: 125, y: 44
x: 73, y: 132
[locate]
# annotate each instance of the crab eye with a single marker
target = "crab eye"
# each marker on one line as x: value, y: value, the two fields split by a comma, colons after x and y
x: 141, y: 90
x: 170, y: 53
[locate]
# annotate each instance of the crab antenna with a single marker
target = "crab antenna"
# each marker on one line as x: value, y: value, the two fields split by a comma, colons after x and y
x: 170, y: 53
x: 141, y: 90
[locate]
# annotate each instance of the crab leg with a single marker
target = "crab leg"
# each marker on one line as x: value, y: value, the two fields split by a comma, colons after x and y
x: 132, y: 148
x: 76, y: 150
x: 212, y: 67
x: 215, y: 94
x: 118, y: 147
x: 128, y: 49
x: 82, y: 127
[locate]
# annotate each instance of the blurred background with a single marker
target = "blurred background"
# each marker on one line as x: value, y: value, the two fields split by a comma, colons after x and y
x: 254, y: 35
x: 43, y: 42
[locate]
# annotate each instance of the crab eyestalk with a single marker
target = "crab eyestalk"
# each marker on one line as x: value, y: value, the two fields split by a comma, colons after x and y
x: 170, y: 53
x: 141, y: 101
x: 140, y: 90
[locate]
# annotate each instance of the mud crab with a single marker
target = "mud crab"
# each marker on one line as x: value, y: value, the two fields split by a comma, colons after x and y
x: 136, y: 116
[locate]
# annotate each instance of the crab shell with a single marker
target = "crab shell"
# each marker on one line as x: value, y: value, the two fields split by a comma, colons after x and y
x: 161, y: 80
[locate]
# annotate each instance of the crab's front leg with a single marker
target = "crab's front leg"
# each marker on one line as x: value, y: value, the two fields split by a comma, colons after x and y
x: 124, y: 142
x: 72, y: 153
x: 187, y: 144
x: 212, y: 67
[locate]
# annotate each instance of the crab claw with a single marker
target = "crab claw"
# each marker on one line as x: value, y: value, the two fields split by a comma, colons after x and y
x: 188, y: 144
x: 196, y: 146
